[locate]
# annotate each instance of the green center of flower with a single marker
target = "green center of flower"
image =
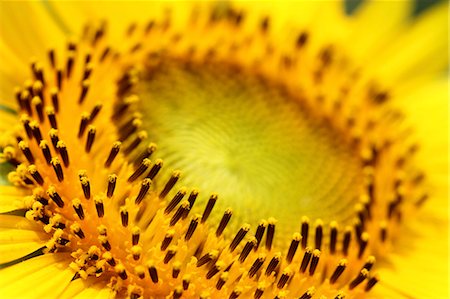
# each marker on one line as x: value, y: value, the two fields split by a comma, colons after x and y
x: 237, y: 135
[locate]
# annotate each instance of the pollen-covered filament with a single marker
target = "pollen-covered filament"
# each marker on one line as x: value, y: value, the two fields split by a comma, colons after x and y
x: 101, y: 192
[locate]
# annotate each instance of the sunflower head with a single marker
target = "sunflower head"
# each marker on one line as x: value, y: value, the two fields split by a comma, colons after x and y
x: 214, y: 151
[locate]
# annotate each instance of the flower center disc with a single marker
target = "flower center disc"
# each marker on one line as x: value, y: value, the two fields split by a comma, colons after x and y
x: 240, y: 136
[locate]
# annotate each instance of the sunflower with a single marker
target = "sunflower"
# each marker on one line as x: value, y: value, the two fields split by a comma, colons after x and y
x: 223, y: 150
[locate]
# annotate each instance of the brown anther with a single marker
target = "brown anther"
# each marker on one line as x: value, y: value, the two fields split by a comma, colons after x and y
x: 167, y: 239
x: 258, y: 292
x: 83, y: 124
x: 383, y: 232
x: 26, y: 151
x: 46, y: 151
x: 246, y: 250
x: 338, y: 271
x: 207, y: 258
x: 314, y: 261
x: 306, y: 258
x: 309, y: 293
x: 363, y: 244
x: 35, y: 174
x: 176, y: 269
x: 140, y: 271
x: 145, y: 186
x: 57, y: 168
x: 105, y: 243
x: 135, y: 234
x: 37, y: 90
x: 182, y: 209
x: 369, y: 263
x: 152, y: 272
x: 222, y: 280
x: 36, y: 131
x: 120, y: 269
x: 304, y: 231
x: 112, y: 179
x: 170, y: 183
x: 59, y: 78
x: 26, y: 124
x: 52, y: 57
x: 256, y: 266
x: 186, y: 281
x: 51, y: 117
x: 69, y: 64
x: 235, y: 294
x: 175, y: 200
x: 224, y: 221
x: 136, y: 251
x: 146, y: 154
x: 371, y: 283
x: 51, y: 192
x: 76, y: 203
x: 61, y: 146
x: 192, y: 197
x: 141, y: 136
x: 39, y: 107
x: 360, y: 278
x: 301, y: 40
x: 273, y: 264
x: 155, y: 169
x: 270, y: 233
x: 25, y: 101
x: 90, y: 138
x: 87, y: 70
x: 98, y: 200
x: 239, y: 236
x: 171, y: 252
x: 86, y: 186
x: 84, y: 90
x: 53, y: 133
x: 105, y: 54
x: 191, y: 229
x: 293, y: 247
x: 113, y: 153
x: 333, y: 236
x: 214, y: 270
x: 124, y: 216
x: 95, y: 111
x: 284, y: 278
x: 319, y: 234
x: 346, y: 240
x: 209, y: 206
x: 177, y: 293
x: 109, y: 258
x: 260, y: 233
x: 76, y: 229
x: 140, y: 170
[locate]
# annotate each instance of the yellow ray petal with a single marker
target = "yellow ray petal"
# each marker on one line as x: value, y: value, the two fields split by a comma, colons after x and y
x: 12, y: 251
x: 45, y: 276
x: 19, y: 237
x: 16, y: 29
x: 84, y: 289
x: 11, y: 199
x: 371, y: 34
x: 418, y: 52
x: 420, y: 268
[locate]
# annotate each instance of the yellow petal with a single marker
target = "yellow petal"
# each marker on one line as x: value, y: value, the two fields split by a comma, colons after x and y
x: 11, y: 198
x: 19, y: 237
x: 87, y: 289
x: 371, y: 34
x: 418, y: 52
x: 44, y: 276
